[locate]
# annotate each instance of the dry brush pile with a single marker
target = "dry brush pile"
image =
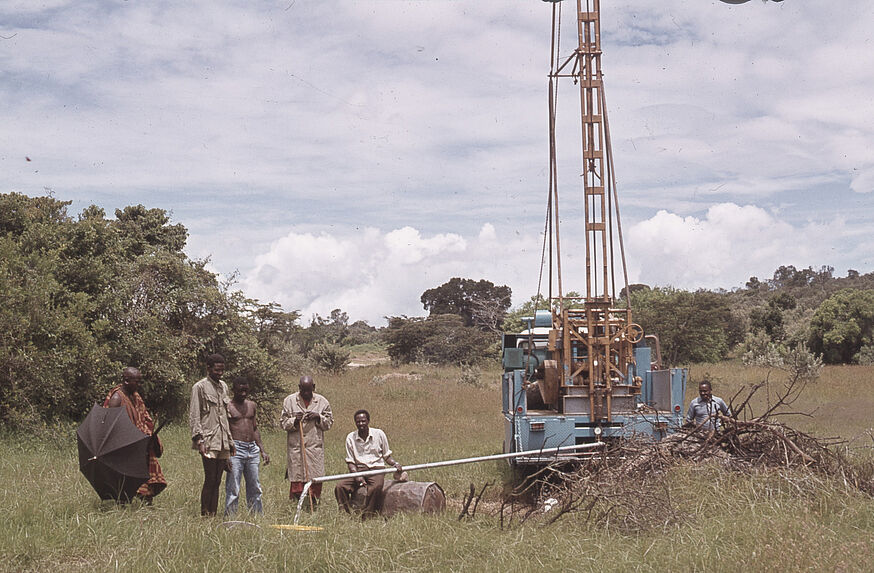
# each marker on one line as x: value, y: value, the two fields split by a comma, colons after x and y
x: 626, y: 486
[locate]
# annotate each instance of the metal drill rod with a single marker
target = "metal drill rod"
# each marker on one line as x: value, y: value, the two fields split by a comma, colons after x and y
x: 440, y: 464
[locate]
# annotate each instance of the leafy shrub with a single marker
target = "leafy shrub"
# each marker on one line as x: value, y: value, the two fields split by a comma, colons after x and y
x: 842, y: 325
x: 471, y: 376
x: 866, y: 355
x: 692, y: 326
x: 330, y: 357
x: 82, y: 298
x: 798, y: 361
x: 441, y: 339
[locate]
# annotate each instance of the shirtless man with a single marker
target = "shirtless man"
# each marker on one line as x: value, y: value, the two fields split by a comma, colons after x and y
x: 247, y: 439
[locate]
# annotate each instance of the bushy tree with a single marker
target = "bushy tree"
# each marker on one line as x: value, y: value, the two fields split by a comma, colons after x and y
x: 866, y: 355
x: 359, y: 332
x: 329, y: 357
x: 842, y: 325
x: 327, y: 330
x: 49, y: 355
x: 788, y: 276
x: 478, y: 303
x: 278, y: 333
x: 81, y: 298
x: 691, y: 326
x: 632, y: 288
x: 404, y: 338
x: 439, y: 339
x: 770, y: 319
x: 274, y: 327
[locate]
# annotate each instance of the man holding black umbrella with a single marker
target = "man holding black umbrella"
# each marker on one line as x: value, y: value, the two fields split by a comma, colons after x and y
x: 127, y: 394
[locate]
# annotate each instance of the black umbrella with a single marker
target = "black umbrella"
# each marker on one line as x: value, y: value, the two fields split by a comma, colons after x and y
x: 113, y: 453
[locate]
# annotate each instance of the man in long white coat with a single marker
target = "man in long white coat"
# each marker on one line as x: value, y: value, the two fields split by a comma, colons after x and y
x: 311, y: 411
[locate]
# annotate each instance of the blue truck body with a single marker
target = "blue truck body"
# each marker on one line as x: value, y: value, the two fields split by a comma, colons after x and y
x: 651, y: 409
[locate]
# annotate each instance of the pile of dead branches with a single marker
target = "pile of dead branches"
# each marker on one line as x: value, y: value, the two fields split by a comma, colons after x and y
x: 598, y: 491
x: 737, y: 444
x: 625, y: 488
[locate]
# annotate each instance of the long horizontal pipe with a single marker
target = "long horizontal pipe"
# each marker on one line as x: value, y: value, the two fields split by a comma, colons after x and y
x: 440, y: 464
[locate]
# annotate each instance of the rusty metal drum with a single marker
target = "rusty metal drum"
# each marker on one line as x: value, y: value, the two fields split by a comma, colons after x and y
x: 407, y: 496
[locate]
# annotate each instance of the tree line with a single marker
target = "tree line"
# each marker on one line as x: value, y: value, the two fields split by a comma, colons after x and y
x: 810, y: 309
x: 807, y: 310
x: 84, y: 296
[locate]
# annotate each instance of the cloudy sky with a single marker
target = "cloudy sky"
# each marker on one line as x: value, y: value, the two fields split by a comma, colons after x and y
x: 352, y: 154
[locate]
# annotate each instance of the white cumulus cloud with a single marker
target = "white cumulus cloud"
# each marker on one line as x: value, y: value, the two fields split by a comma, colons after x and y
x: 863, y: 181
x: 371, y: 274
x: 726, y: 246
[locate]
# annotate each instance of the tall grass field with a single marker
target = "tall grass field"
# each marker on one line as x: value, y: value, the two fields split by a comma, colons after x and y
x: 722, y: 520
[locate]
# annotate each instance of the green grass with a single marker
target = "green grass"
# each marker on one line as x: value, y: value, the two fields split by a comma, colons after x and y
x: 719, y: 520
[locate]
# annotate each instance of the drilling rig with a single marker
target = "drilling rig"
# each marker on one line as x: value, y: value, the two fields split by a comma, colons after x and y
x: 582, y: 370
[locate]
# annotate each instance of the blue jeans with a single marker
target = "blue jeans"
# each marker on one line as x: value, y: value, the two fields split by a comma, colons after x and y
x: 244, y: 463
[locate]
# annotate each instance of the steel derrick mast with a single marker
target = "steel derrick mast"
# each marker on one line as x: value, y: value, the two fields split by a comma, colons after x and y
x: 592, y: 338
x: 581, y: 372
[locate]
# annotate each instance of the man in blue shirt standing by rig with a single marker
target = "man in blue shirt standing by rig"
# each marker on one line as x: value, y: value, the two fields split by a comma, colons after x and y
x: 704, y: 410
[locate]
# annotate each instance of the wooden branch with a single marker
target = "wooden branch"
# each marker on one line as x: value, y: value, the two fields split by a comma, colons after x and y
x: 775, y: 431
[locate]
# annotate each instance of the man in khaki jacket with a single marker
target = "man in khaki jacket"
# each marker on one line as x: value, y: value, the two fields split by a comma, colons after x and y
x: 313, y: 412
x: 210, y: 432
